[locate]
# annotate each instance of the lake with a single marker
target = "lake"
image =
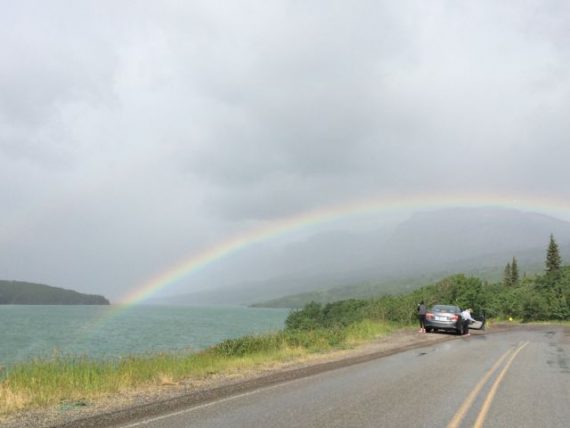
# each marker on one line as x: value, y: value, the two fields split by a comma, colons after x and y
x: 28, y: 332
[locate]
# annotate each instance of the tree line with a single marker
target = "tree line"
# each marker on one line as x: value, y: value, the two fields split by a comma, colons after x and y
x: 541, y: 297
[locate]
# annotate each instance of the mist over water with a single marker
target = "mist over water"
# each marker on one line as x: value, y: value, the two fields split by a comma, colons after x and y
x: 44, y: 331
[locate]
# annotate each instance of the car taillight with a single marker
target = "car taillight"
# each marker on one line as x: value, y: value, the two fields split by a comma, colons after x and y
x: 454, y: 317
x: 429, y: 316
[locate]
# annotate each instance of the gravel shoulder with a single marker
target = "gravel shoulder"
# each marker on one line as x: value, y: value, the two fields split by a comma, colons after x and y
x: 129, y: 406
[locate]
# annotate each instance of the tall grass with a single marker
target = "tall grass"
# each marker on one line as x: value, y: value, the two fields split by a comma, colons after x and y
x: 63, y: 379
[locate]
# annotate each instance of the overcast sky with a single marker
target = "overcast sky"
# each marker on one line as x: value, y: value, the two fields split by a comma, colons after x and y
x: 136, y: 133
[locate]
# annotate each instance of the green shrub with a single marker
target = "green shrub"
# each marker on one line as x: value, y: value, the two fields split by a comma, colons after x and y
x: 248, y: 345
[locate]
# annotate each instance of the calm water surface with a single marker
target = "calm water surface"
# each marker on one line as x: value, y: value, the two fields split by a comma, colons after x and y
x: 28, y: 332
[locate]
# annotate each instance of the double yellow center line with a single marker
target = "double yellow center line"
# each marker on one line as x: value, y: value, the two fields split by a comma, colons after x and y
x: 462, y: 411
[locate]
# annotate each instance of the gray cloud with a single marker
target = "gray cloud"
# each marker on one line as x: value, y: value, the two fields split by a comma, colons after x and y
x: 135, y: 134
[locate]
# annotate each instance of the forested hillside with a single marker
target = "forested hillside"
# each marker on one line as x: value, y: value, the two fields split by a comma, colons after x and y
x: 26, y: 293
x: 537, y: 298
x: 545, y: 297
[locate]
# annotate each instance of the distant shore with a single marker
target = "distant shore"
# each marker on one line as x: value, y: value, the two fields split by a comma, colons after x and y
x: 30, y: 293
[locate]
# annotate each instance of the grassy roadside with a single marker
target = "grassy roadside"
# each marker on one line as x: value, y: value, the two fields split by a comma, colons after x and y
x: 60, y: 380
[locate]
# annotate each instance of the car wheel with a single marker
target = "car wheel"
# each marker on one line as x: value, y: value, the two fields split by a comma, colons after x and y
x: 459, y: 331
x: 428, y: 329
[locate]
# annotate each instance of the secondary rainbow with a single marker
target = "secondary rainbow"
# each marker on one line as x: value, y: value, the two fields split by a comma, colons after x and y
x: 274, y: 229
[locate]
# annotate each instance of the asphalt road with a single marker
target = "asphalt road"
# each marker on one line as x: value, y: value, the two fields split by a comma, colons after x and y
x: 512, y: 379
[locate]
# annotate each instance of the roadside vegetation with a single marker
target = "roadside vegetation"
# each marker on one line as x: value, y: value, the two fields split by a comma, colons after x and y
x: 68, y: 381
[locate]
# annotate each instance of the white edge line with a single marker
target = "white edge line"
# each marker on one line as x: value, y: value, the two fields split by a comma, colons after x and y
x: 201, y: 406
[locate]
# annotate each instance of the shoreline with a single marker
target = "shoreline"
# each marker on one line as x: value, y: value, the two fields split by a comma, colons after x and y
x: 110, y: 332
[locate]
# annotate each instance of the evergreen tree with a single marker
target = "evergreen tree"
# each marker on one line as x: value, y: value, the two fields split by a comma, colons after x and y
x: 507, y: 276
x: 514, y: 273
x: 553, y: 257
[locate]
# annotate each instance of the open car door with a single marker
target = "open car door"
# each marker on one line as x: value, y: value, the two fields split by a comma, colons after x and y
x: 478, y: 324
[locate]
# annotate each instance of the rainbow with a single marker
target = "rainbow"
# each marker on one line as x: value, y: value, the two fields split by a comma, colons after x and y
x: 395, y: 203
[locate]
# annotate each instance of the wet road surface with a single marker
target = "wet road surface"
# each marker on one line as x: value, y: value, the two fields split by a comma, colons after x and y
x: 516, y: 378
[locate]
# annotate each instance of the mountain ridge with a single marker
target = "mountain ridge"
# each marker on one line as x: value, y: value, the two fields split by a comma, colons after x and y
x: 426, y: 245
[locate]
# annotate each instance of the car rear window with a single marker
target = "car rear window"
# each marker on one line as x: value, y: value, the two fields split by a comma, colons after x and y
x: 445, y: 308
